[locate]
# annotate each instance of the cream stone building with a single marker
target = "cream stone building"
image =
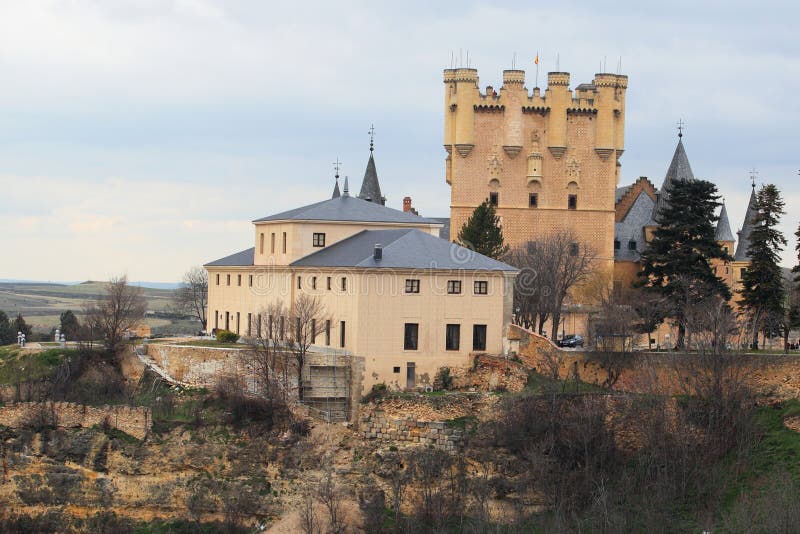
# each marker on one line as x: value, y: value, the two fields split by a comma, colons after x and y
x: 398, y: 296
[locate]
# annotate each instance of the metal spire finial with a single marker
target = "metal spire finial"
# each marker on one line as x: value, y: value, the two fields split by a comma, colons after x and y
x: 337, y: 165
x: 753, y: 176
x: 681, y: 126
x: 346, y: 187
x: 371, y: 137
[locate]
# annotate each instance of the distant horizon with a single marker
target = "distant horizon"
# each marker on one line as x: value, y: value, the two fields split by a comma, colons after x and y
x: 149, y: 285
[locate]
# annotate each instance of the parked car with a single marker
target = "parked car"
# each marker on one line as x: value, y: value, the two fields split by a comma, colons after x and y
x: 571, y: 341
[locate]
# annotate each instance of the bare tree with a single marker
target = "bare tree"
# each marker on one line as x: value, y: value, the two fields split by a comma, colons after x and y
x: 192, y: 297
x: 267, y: 359
x: 121, y: 309
x: 551, y: 268
x: 309, y: 318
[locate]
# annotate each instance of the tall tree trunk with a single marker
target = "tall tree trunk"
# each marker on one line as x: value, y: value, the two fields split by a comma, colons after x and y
x: 556, y: 323
x: 680, y: 342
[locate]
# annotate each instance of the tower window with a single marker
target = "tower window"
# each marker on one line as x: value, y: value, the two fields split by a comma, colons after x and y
x: 631, y: 245
x: 572, y: 202
x: 228, y: 279
x: 261, y: 243
x: 217, y: 279
x: 617, y: 244
x: 313, y: 282
x: 238, y: 279
x: 319, y: 240
x: 250, y: 280
x: 533, y: 200
x: 344, y: 284
x: 272, y: 243
x: 284, y: 242
x: 299, y: 283
x: 493, y: 199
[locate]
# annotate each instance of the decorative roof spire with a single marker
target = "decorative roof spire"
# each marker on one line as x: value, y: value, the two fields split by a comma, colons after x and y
x: 724, y: 233
x: 681, y: 126
x: 346, y: 188
x: 747, y: 227
x: 336, y: 166
x: 370, y: 187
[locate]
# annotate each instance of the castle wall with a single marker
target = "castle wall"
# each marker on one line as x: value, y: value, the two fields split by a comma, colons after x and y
x: 133, y: 420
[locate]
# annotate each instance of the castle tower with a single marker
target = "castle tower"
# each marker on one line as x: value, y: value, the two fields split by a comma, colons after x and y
x: 370, y: 187
x: 549, y: 162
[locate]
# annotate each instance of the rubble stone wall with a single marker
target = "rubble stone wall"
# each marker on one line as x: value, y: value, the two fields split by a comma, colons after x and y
x: 133, y: 420
x: 409, y: 431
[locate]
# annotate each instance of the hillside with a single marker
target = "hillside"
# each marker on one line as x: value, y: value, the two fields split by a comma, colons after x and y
x: 42, y: 303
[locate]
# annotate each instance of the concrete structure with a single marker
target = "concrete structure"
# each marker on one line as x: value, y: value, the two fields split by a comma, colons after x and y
x: 397, y: 295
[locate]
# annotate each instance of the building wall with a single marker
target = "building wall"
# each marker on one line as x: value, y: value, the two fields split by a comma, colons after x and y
x: 300, y: 237
x: 375, y: 309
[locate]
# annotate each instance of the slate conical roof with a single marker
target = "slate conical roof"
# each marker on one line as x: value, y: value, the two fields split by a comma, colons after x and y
x: 679, y: 169
x: 747, y: 228
x: 724, y: 232
x: 336, y: 192
x: 370, y: 188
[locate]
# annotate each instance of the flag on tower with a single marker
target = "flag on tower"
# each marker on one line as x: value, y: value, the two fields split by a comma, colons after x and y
x: 536, y: 60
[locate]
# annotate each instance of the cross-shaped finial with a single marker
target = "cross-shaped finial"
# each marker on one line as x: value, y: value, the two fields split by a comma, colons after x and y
x: 753, y: 176
x: 681, y: 126
x: 336, y: 166
x: 371, y: 137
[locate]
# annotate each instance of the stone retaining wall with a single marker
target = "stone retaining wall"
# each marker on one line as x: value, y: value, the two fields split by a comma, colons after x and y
x: 133, y: 420
x: 408, y: 431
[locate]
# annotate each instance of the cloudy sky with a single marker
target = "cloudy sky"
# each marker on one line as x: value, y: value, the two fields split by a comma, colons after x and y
x: 142, y: 136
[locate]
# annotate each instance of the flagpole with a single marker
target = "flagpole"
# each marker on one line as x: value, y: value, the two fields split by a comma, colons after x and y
x: 537, y: 68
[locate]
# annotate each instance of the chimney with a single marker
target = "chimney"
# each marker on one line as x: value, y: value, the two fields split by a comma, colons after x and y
x: 377, y: 255
x: 407, y: 204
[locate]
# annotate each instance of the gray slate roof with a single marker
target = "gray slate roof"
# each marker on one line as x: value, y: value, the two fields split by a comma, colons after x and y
x: 336, y: 192
x: 402, y: 249
x: 620, y: 192
x: 679, y: 169
x: 631, y: 228
x: 370, y: 188
x: 444, y: 231
x: 240, y: 259
x: 347, y: 208
x: 747, y: 228
x: 724, y: 232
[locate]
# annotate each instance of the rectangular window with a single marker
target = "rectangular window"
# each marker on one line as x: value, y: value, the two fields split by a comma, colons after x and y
x: 250, y: 280
x: 329, y: 283
x: 258, y: 333
x: 493, y: 199
x: 453, y: 337
x: 631, y: 245
x: 216, y: 319
x: 327, y: 332
x: 249, y: 324
x: 411, y: 336
x: 574, y: 249
x: 284, y: 242
x: 318, y: 240
x: 299, y: 283
x: 229, y: 279
x: 313, y: 282
x: 396, y: 370
x: 412, y: 285
x: 261, y: 243
x: 572, y: 202
x: 217, y: 279
x: 454, y: 287
x: 270, y: 328
x: 342, y: 337
x: 272, y: 243
x: 239, y: 280
x: 617, y: 244
x: 481, y: 287
x: 533, y: 200
x: 479, y: 337
x: 344, y: 284
x: 237, y: 322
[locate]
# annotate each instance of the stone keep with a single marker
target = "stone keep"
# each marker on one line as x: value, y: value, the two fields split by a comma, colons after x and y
x: 535, y: 152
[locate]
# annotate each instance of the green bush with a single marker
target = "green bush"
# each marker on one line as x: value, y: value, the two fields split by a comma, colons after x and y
x: 443, y: 379
x: 226, y: 336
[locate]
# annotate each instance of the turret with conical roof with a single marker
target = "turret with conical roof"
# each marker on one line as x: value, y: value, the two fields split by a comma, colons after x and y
x: 679, y: 169
x: 336, y: 192
x: 724, y: 235
x: 747, y: 228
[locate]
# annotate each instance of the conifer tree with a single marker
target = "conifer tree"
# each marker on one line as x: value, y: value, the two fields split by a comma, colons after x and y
x: 69, y: 325
x: 19, y: 325
x: 677, y: 262
x: 482, y: 232
x: 7, y: 337
x: 763, y: 292
x: 796, y: 268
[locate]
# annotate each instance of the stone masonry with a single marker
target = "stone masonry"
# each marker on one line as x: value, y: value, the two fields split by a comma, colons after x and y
x: 410, y: 432
x: 133, y: 420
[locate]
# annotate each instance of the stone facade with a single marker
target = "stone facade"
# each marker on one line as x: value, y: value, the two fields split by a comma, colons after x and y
x: 561, y: 148
x: 134, y: 420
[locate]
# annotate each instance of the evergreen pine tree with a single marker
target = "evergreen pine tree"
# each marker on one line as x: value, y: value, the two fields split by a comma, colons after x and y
x: 69, y: 325
x: 7, y: 336
x: 482, y: 232
x: 19, y: 325
x: 796, y: 268
x: 763, y: 292
x: 677, y: 262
